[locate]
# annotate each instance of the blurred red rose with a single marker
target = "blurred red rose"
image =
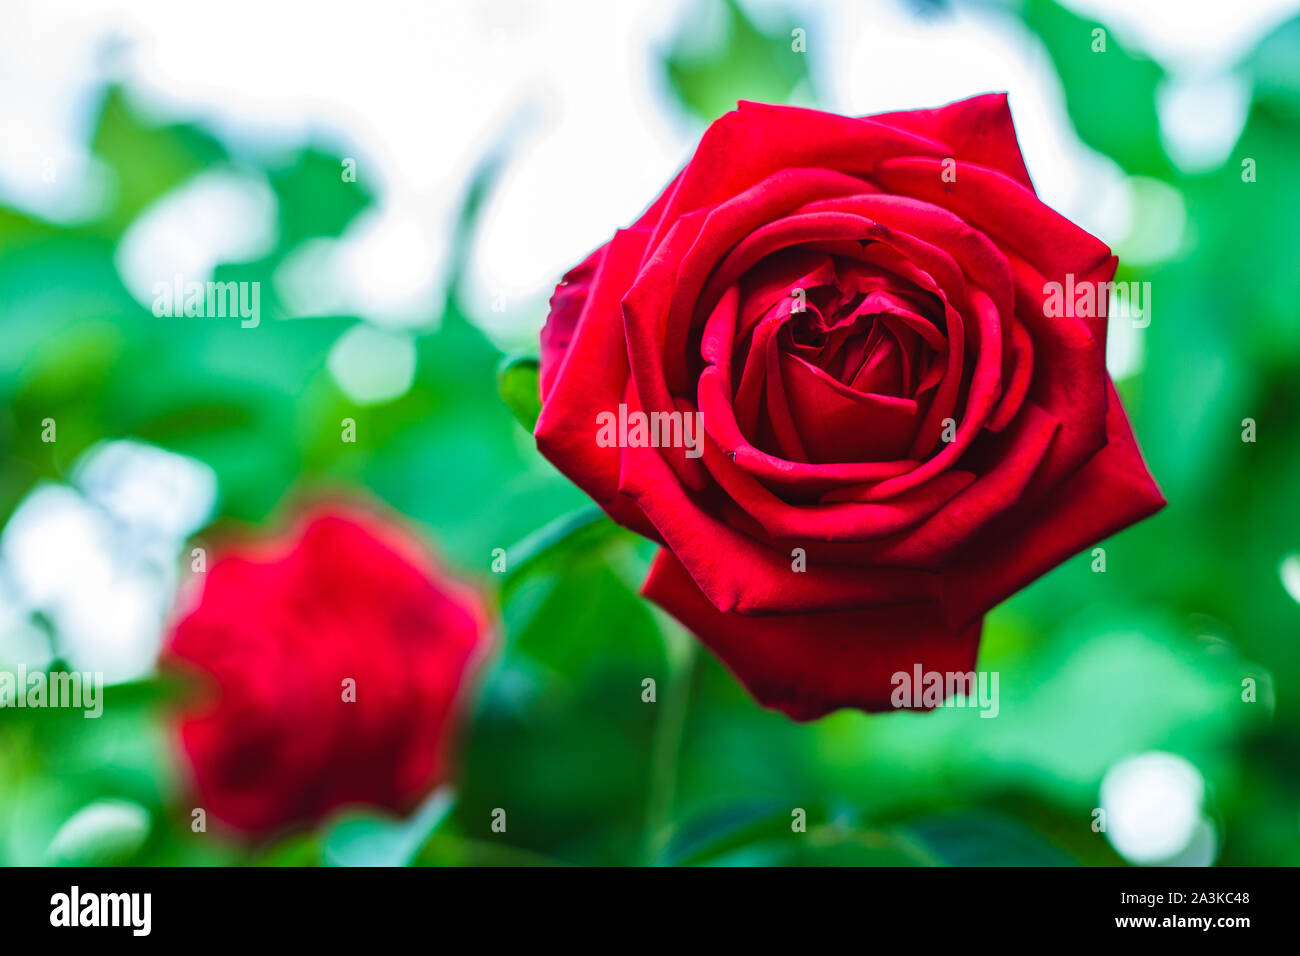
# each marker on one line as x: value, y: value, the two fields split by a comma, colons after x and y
x: 330, y: 667
x: 879, y: 422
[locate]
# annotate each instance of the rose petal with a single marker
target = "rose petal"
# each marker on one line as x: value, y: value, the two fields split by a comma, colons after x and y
x: 1007, y: 211
x: 842, y: 518
x: 739, y: 573
x: 978, y: 129
x: 1112, y: 491
x: 810, y: 664
x: 592, y: 378
x: 756, y: 140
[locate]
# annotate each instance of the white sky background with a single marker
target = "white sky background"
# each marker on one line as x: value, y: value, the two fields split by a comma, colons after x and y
x: 418, y: 92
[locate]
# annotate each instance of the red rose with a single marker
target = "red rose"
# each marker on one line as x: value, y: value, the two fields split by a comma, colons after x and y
x: 333, y: 662
x: 857, y: 310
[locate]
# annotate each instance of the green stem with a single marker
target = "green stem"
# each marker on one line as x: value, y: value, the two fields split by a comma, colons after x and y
x: 680, y: 649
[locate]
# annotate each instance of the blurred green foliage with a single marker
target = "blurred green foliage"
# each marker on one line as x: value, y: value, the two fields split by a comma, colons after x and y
x: 1098, y: 75
x: 722, y: 57
x: 1094, y: 667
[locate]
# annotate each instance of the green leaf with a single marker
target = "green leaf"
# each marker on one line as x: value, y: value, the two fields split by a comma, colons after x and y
x: 371, y: 839
x: 297, y: 850
x: 1110, y: 92
x: 582, y: 529
x: 517, y: 383
x: 103, y: 833
x: 821, y: 845
x: 736, y: 61
x: 724, y: 832
x: 315, y: 199
x: 1274, y: 65
x: 146, y: 161
x: 980, y: 839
